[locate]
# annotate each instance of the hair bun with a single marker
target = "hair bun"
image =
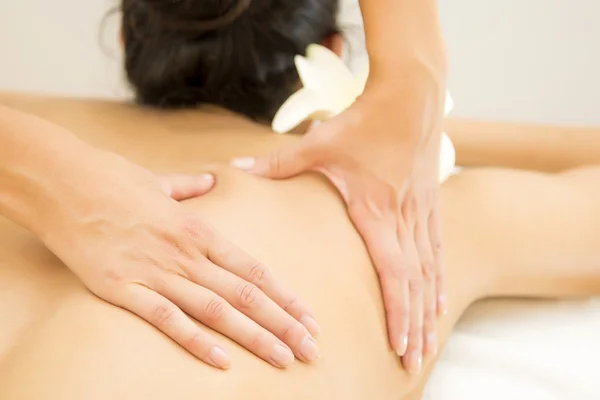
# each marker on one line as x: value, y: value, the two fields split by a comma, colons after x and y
x: 196, y: 16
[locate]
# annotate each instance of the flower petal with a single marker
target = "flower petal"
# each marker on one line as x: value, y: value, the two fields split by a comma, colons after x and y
x: 322, y: 71
x: 447, y: 158
x: 302, y: 105
x: 334, y: 68
x: 361, y: 79
x: 449, y: 103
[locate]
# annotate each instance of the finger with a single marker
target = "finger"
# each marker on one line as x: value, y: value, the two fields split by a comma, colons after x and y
x: 381, y: 240
x: 214, y: 312
x: 230, y: 257
x: 429, y: 281
x: 413, y: 359
x: 183, y: 186
x: 435, y: 237
x: 283, y: 163
x: 170, y: 320
x: 250, y: 300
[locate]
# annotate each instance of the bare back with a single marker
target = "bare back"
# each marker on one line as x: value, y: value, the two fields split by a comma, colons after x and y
x: 298, y: 228
x: 64, y: 343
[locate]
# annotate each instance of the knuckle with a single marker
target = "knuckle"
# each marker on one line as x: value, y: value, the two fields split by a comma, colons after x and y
x: 275, y: 162
x: 436, y: 248
x: 392, y: 205
x: 402, y: 312
x: 409, y: 205
x: 256, y: 273
x: 191, y: 225
x: 163, y: 314
x: 394, y: 277
x: 114, y: 276
x: 413, y: 205
x: 391, y: 264
x: 415, y: 336
x: 428, y: 196
x: 290, y: 304
x: 428, y: 271
x: 193, y: 228
x: 415, y: 285
x: 416, y: 330
x: 158, y: 282
x: 194, y: 342
x: 259, y: 340
x: 289, y: 333
x: 215, y: 310
x: 176, y: 249
x: 247, y: 294
x: 439, y: 280
x: 401, y: 273
x: 394, y: 270
x: 429, y: 314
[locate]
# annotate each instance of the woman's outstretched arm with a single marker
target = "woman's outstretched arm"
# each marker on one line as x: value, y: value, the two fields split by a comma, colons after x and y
x: 518, y: 234
x: 535, y: 147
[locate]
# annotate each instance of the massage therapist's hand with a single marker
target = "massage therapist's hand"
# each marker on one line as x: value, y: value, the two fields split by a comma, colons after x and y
x: 374, y: 155
x: 121, y: 230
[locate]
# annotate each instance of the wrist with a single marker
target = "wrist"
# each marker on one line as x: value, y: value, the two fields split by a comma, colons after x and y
x: 403, y: 34
x: 413, y: 97
x: 39, y: 159
x: 36, y: 192
x: 409, y: 60
x: 408, y: 69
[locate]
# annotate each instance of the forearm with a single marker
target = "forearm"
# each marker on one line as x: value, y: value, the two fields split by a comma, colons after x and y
x: 542, y: 148
x: 34, y: 156
x: 525, y: 234
x: 400, y: 32
x: 407, y: 66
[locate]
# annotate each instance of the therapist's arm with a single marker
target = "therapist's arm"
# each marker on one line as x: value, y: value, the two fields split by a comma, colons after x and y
x: 404, y: 36
x: 82, y: 202
x: 382, y: 154
x: 30, y: 156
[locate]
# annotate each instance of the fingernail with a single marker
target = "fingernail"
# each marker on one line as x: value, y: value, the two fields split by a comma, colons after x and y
x: 208, y: 177
x: 281, y: 357
x: 308, y: 349
x: 443, y: 308
x: 432, y: 343
x: 244, y: 163
x: 402, y: 345
x: 415, y: 361
x: 219, y: 358
x: 310, y: 324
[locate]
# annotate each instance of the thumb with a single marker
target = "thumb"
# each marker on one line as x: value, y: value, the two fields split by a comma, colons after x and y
x: 283, y: 163
x: 184, y: 186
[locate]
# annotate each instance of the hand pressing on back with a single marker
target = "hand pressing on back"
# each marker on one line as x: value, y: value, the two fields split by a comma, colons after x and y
x: 123, y: 232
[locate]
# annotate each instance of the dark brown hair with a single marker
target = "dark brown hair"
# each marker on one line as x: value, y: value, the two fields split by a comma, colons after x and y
x: 238, y: 54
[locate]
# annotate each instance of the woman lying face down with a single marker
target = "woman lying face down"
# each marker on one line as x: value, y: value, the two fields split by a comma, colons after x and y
x: 356, y: 163
x: 300, y: 230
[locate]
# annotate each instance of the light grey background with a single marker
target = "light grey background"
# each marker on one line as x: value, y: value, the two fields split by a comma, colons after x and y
x: 511, y: 60
x: 525, y: 60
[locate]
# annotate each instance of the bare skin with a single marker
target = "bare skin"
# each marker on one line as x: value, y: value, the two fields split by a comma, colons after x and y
x: 395, y: 125
x: 506, y: 233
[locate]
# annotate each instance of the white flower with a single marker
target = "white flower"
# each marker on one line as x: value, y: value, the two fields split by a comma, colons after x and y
x: 328, y: 89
